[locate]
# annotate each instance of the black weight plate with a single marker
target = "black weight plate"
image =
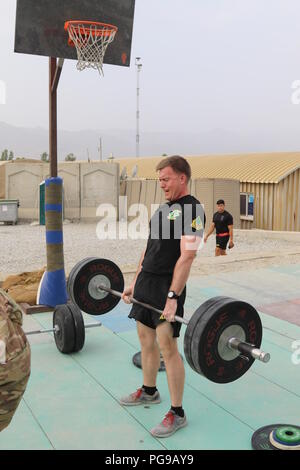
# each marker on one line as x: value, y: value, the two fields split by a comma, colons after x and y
x: 137, y: 361
x: 73, y: 273
x: 211, y: 305
x: 191, y: 327
x: 261, y: 438
x: 79, y: 326
x: 205, y: 339
x: 83, y: 279
x: 65, y: 337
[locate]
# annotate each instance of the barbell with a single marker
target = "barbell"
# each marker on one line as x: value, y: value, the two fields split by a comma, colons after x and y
x: 68, y: 328
x: 222, y: 338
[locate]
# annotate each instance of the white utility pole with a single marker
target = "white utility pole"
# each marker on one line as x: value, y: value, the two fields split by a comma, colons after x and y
x: 138, y: 69
x: 100, y: 148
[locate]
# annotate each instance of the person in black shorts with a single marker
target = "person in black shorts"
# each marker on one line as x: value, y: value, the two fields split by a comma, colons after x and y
x: 175, y: 233
x: 223, y: 223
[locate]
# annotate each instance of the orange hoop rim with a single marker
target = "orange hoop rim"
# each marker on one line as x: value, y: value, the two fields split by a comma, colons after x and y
x: 94, y: 32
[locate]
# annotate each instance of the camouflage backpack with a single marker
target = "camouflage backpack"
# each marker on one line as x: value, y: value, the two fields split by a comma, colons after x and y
x: 14, y: 358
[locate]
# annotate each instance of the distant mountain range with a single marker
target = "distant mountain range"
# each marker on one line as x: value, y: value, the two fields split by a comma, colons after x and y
x: 32, y: 142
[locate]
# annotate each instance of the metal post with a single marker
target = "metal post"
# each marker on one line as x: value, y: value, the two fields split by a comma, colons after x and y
x: 52, y: 119
x: 53, y: 286
x: 139, y: 66
x: 100, y: 149
x: 55, y: 68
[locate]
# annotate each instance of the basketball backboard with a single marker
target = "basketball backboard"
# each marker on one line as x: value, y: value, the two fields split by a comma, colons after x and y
x: 40, y: 26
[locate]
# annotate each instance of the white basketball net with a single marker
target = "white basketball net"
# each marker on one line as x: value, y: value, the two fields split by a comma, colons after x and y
x: 91, y: 42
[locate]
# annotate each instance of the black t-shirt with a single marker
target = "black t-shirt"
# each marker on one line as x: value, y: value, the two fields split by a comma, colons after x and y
x: 221, y: 221
x: 167, y: 225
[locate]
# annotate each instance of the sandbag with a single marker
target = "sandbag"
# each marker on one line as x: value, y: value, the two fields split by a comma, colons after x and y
x: 23, y: 287
x: 15, y: 358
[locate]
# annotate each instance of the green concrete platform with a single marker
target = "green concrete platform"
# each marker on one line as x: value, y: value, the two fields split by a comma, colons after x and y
x: 71, y: 401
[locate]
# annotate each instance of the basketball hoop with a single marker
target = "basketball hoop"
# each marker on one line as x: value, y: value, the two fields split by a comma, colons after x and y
x: 91, y: 39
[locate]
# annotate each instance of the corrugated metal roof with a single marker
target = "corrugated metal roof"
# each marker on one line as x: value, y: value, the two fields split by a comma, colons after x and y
x: 247, y: 168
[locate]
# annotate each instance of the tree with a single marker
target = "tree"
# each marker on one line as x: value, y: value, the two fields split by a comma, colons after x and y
x: 4, y: 155
x: 45, y: 157
x: 70, y: 157
x: 7, y: 156
x: 164, y: 155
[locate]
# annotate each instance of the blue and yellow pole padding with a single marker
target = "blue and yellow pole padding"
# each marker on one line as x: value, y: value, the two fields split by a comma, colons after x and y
x: 53, y: 290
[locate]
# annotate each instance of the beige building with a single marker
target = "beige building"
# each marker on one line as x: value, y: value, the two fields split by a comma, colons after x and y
x: 260, y: 190
x: 269, y: 184
x: 147, y: 192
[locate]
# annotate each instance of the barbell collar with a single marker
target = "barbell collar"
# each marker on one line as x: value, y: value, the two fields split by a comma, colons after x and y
x: 248, y: 350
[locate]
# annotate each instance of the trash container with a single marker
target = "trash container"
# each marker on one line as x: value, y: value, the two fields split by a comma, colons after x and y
x: 42, y: 203
x: 42, y: 215
x: 9, y: 211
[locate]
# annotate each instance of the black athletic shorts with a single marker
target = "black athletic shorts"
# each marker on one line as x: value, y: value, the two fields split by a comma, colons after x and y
x: 153, y: 289
x: 221, y: 242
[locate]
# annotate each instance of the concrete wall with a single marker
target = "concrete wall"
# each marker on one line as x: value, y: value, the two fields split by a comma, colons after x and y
x: 207, y: 191
x: 2, y: 180
x: 86, y: 186
x: 22, y: 183
x: 99, y: 184
x: 69, y: 172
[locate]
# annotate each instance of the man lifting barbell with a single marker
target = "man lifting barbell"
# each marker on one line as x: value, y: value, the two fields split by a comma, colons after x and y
x: 223, y: 336
x: 176, y: 229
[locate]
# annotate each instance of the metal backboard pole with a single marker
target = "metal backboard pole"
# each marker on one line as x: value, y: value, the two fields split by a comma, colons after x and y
x: 55, y: 68
x: 52, y: 118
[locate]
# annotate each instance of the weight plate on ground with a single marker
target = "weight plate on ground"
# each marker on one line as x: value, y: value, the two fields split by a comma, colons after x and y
x: 65, y: 336
x: 207, y: 339
x: 137, y: 361
x: 285, y: 438
x: 288, y: 435
x: 83, y: 285
x: 78, y: 325
x: 261, y: 438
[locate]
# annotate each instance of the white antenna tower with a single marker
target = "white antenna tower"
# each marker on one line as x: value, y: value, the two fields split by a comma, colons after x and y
x: 134, y: 171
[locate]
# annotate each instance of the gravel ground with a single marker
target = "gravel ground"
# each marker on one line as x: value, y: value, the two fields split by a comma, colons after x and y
x: 23, y: 248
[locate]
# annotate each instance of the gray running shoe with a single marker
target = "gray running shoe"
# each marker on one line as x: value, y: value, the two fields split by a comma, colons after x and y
x: 140, y: 397
x: 170, y: 424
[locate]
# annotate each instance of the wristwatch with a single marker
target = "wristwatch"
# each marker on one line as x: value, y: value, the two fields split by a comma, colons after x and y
x: 172, y: 295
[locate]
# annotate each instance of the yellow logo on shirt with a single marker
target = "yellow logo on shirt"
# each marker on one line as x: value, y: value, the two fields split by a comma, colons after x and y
x: 174, y: 214
x: 197, y: 223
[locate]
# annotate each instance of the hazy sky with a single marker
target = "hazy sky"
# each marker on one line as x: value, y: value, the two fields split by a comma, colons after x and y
x: 207, y: 64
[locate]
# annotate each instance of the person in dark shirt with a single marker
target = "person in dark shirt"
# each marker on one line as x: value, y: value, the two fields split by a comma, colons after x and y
x: 175, y: 233
x: 223, y: 223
